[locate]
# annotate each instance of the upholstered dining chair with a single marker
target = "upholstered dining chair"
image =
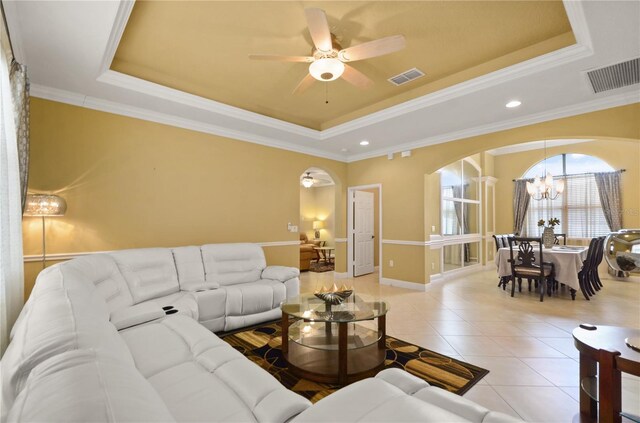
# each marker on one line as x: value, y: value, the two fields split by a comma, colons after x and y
x: 524, y: 264
x: 586, y: 273
x: 556, y: 239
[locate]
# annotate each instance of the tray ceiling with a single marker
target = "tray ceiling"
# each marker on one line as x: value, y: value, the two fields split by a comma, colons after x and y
x: 202, y: 48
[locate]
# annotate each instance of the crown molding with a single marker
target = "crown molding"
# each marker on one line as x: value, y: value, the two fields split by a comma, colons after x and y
x: 519, y: 70
x: 559, y: 113
x: 142, y: 86
x: 578, y: 51
x: 76, y: 99
x: 119, y: 24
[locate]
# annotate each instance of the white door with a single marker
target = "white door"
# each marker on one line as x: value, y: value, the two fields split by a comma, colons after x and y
x: 363, y: 233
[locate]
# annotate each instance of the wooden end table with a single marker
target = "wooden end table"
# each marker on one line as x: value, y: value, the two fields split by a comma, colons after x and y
x: 604, y: 355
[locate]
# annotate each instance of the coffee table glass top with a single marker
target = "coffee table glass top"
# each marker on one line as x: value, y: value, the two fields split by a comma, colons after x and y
x: 355, y: 308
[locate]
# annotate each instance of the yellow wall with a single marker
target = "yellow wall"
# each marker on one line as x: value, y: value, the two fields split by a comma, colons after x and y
x: 618, y: 154
x: 406, y: 202
x: 130, y: 183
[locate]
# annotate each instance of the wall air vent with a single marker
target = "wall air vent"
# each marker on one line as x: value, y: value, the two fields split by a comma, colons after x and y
x: 615, y: 76
x: 405, y: 77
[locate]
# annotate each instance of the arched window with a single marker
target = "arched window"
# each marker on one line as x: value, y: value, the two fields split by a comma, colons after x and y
x: 578, y: 208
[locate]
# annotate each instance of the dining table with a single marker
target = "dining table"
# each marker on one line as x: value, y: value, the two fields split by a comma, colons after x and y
x: 567, y: 261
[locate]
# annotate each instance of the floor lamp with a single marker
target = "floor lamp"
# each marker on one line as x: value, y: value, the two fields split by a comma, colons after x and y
x: 44, y: 205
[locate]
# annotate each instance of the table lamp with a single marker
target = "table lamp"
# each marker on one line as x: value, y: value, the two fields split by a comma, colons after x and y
x: 44, y: 205
x: 317, y: 225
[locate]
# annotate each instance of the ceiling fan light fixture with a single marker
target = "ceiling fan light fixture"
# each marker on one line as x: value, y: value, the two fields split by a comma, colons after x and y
x: 327, y: 69
x: 307, y: 180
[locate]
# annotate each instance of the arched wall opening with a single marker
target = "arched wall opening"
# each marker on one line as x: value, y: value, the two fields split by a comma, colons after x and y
x: 318, y: 219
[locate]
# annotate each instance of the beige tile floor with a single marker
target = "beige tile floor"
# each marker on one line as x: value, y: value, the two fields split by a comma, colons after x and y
x: 526, y: 345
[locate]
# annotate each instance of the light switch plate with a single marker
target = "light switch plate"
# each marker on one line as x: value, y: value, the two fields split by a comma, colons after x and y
x: 390, y: 263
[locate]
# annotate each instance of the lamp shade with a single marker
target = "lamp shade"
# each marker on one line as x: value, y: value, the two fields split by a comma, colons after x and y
x: 45, y: 205
x: 327, y: 69
x: 318, y: 224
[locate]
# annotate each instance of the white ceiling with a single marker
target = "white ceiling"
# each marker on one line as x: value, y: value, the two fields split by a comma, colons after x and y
x: 68, y: 46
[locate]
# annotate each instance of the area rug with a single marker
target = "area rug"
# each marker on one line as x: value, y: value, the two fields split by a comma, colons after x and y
x: 262, y: 345
x: 320, y: 267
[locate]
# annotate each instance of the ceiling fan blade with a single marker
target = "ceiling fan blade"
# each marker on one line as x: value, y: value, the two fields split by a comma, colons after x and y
x: 306, y: 59
x: 306, y: 82
x: 319, y: 28
x: 373, y: 48
x: 357, y: 78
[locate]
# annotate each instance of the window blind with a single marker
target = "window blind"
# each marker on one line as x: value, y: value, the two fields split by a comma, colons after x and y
x: 578, y: 209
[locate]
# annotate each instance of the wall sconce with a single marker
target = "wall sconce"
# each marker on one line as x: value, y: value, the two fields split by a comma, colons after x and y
x: 317, y: 225
x: 44, y: 205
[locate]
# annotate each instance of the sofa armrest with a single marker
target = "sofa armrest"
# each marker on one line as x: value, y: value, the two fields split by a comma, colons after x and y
x: 195, y: 286
x: 402, y: 380
x: 467, y: 409
x: 136, y: 315
x: 280, y: 273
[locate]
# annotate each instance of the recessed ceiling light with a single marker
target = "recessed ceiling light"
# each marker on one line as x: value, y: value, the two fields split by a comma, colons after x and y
x: 364, y: 142
x: 513, y: 103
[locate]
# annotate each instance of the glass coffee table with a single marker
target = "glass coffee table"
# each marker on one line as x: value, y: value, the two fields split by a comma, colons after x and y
x: 337, y: 344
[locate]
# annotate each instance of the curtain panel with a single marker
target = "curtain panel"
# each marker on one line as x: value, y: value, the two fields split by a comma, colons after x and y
x: 521, y: 200
x: 11, y: 259
x: 610, y: 198
x: 20, y: 95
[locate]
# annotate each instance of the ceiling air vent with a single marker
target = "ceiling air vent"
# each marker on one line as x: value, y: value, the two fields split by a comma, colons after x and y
x: 405, y: 77
x: 615, y: 76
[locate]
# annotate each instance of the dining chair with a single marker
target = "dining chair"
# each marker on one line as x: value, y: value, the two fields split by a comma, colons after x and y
x: 585, y: 274
x: 525, y: 265
x: 599, y: 257
x: 497, y: 242
x: 556, y: 239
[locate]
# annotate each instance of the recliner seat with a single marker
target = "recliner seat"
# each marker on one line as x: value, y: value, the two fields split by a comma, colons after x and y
x: 93, y: 343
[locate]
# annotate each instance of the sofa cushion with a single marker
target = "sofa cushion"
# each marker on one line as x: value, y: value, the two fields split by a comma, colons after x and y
x: 83, y: 386
x: 211, y: 308
x: 103, y: 272
x: 149, y: 272
x: 202, y: 378
x: 229, y: 264
x: 136, y: 315
x: 250, y: 298
x: 55, y: 320
x: 280, y: 273
x: 191, y: 269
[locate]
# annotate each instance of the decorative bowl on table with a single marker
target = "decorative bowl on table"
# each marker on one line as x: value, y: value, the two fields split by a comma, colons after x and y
x: 334, y: 296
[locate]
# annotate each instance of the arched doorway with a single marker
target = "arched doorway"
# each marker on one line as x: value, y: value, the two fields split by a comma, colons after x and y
x: 317, y: 220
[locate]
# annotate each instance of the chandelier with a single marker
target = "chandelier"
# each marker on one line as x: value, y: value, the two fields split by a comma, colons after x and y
x: 543, y: 187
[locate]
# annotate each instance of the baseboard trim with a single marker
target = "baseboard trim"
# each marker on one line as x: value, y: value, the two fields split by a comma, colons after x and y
x: 403, y: 284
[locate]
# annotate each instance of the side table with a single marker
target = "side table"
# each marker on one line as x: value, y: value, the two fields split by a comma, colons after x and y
x: 604, y: 355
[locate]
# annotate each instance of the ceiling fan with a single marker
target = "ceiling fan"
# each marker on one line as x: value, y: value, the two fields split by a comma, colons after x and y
x: 328, y: 60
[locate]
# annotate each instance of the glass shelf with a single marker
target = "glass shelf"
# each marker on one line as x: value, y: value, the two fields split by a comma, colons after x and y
x: 318, y: 336
x: 630, y: 417
x: 590, y: 386
x: 355, y: 308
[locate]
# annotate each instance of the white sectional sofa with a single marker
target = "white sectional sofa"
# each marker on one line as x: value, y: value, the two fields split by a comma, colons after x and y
x: 93, y: 344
